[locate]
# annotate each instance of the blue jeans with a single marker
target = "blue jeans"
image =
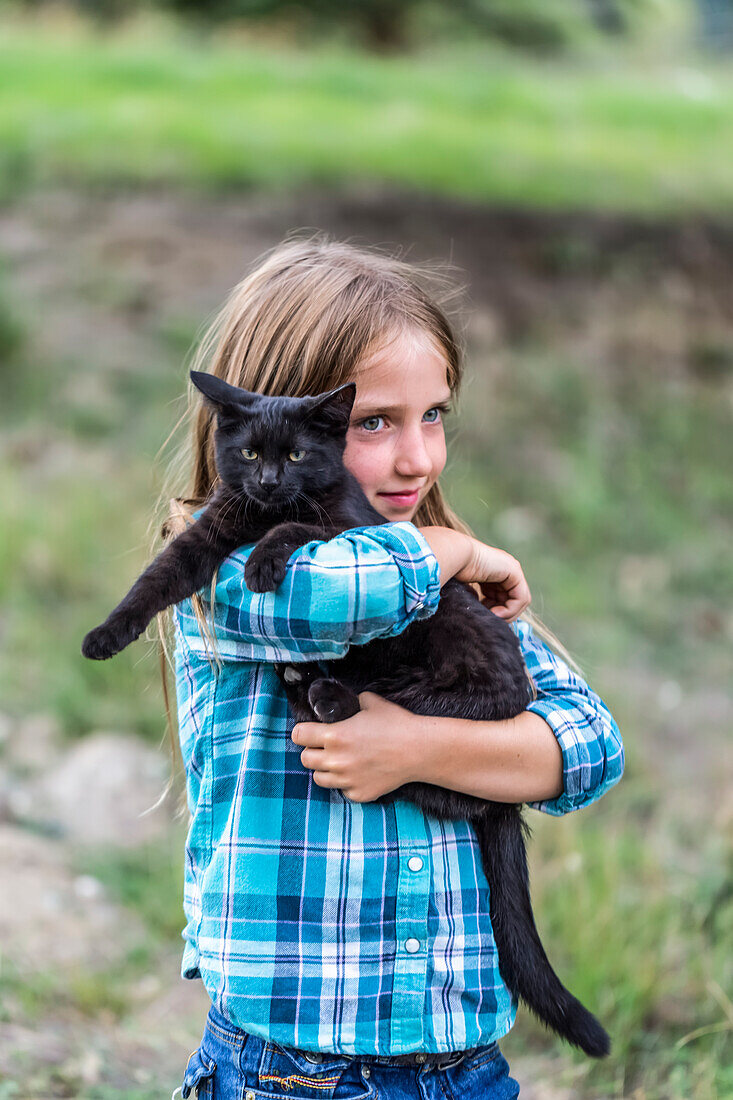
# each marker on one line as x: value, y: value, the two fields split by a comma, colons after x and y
x: 230, y: 1064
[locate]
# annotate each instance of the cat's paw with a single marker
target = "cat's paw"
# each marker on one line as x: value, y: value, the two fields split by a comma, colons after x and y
x: 264, y: 572
x: 296, y: 679
x: 332, y: 701
x: 109, y: 638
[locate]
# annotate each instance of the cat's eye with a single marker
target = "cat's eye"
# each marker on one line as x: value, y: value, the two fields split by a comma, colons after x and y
x: 296, y: 456
x: 248, y: 454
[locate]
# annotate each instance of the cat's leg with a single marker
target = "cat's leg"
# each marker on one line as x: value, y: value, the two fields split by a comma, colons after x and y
x: 181, y: 569
x: 296, y: 680
x: 314, y: 697
x: 332, y: 701
x: 265, y: 568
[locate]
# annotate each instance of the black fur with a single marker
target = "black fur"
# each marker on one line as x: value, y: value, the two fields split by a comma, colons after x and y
x: 462, y: 662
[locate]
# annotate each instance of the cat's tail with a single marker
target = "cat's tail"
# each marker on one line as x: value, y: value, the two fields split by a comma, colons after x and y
x: 523, y: 963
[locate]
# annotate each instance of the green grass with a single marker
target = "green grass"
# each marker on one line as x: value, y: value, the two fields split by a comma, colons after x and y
x: 148, y: 879
x: 608, y: 480
x: 637, y: 930
x: 87, y: 109
x: 35, y: 995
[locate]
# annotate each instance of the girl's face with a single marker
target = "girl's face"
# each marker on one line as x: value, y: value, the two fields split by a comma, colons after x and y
x: 395, y: 444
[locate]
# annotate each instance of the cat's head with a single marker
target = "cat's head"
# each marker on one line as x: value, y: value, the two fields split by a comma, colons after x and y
x: 274, y: 449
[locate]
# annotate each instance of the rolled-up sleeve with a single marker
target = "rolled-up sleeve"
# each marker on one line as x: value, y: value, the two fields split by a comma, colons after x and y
x: 589, y: 739
x: 368, y: 582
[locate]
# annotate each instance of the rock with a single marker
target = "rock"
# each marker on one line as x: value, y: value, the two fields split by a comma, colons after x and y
x: 103, y: 792
x: 33, y: 743
x: 45, y: 924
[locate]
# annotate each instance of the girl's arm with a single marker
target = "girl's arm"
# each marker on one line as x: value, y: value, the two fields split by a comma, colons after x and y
x: 563, y: 752
x: 367, y: 583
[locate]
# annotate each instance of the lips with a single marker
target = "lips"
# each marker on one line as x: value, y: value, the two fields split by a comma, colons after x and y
x: 402, y: 500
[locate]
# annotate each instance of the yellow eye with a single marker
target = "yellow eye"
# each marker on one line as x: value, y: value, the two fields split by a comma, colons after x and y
x: 296, y: 456
x: 249, y: 455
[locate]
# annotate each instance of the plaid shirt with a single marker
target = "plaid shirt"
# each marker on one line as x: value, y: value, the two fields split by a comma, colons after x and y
x: 316, y: 922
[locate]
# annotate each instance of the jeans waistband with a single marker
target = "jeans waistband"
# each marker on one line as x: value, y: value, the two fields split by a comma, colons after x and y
x: 442, y: 1059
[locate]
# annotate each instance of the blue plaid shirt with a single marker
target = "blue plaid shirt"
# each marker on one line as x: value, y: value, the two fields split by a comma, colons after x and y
x: 313, y: 921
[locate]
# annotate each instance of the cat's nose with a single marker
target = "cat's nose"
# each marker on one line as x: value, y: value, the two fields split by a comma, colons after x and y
x: 268, y: 486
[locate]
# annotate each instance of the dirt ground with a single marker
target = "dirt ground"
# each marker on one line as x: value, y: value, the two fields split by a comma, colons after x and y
x: 161, y: 257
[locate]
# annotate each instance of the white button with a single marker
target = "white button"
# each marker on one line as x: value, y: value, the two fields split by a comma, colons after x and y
x: 414, y: 863
x: 412, y: 945
x: 366, y: 1071
x: 249, y: 1095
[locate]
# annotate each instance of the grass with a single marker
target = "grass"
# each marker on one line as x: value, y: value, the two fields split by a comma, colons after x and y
x: 642, y: 938
x: 560, y: 460
x: 632, y: 907
x: 89, y: 109
x: 148, y: 879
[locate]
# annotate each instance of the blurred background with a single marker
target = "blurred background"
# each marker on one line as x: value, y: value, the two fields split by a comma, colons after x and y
x: 574, y: 160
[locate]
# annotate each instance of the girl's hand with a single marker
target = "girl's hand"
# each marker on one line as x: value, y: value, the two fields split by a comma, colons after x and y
x: 499, y: 578
x: 364, y: 756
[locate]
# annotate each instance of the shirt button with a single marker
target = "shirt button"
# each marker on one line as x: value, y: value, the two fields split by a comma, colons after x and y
x: 412, y: 945
x: 414, y: 863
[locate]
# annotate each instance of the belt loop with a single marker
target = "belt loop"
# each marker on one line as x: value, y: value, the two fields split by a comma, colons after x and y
x: 450, y: 1065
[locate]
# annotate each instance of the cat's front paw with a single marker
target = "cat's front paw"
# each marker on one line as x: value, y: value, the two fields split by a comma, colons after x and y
x: 108, y: 639
x: 332, y: 701
x: 296, y: 679
x: 264, y: 572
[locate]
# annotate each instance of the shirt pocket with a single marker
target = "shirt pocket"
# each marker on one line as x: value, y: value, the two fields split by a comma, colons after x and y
x: 288, y: 1074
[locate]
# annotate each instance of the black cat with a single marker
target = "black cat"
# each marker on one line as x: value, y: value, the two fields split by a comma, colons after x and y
x: 283, y: 483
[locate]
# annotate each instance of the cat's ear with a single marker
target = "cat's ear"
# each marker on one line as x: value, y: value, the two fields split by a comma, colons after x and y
x: 229, y: 401
x: 331, y: 411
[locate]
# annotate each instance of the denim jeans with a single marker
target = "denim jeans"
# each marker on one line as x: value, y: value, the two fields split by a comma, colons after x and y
x: 230, y: 1064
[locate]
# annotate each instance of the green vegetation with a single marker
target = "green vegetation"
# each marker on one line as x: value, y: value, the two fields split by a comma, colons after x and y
x: 148, y: 879
x: 639, y: 932
x: 602, y: 465
x: 95, y: 110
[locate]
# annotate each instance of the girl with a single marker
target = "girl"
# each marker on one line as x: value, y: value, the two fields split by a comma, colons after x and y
x: 346, y: 945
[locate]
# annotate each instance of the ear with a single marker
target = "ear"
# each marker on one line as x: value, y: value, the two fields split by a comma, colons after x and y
x: 331, y: 411
x: 230, y: 401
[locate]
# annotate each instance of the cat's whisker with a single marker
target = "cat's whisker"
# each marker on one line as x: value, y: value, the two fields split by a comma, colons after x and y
x: 323, y: 515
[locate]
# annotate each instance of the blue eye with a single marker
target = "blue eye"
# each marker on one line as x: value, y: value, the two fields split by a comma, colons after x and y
x: 438, y: 409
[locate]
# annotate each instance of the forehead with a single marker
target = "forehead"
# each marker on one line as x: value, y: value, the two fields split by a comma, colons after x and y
x: 409, y: 372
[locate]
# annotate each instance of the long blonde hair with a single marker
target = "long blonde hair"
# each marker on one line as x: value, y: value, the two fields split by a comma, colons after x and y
x: 300, y: 323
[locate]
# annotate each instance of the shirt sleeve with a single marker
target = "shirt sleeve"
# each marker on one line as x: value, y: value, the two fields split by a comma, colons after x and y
x: 590, y: 741
x: 368, y: 582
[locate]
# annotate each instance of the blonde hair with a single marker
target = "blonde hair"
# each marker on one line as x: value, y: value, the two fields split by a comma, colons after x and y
x: 300, y: 323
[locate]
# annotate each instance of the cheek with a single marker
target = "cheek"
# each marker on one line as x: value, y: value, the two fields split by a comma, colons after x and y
x: 439, y: 455
x: 365, y: 462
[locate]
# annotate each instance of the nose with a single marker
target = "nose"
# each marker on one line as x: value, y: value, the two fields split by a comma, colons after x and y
x: 268, y: 478
x: 411, y: 455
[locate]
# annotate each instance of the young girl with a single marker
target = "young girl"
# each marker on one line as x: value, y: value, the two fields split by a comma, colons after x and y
x: 345, y: 944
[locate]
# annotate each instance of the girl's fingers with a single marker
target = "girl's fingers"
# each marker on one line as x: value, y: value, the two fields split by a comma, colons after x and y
x: 314, y: 759
x: 507, y: 601
x: 309, y: 734
x: 325, y: 779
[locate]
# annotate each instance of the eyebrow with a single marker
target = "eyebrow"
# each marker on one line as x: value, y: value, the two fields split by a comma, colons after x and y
x: 370, y: 410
